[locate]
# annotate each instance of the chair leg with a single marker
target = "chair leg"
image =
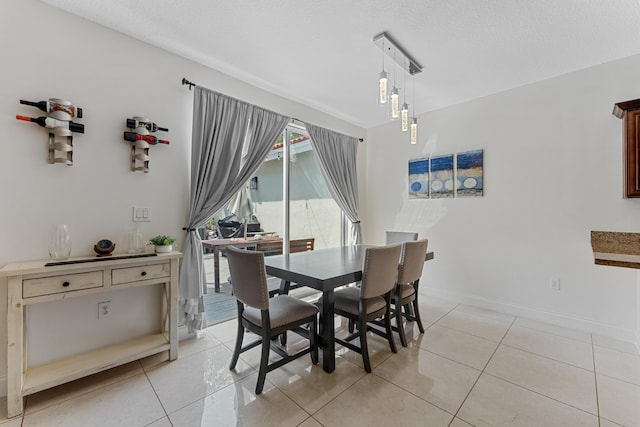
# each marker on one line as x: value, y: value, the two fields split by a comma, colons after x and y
x: 283, y: 338
x: 264, y: 361
x: 416, y: 313
x: 236, y: 350
x: 352, y: 326
x: 364, y: 348
x: 387, y: 325
x: 313, y: 341
x: 400, y: 324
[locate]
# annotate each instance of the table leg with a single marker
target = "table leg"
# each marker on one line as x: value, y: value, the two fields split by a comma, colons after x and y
x: 216, y: 269
x: 15, y: 355
x: 327, y: 332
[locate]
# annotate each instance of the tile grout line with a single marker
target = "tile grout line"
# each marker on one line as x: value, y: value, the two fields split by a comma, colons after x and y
x: 526, y: 388
x: 482, y: 371
x: 595, y: 378
x: 166, y: 414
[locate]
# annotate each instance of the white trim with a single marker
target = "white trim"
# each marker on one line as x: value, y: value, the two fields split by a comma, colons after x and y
x: 559, y: 319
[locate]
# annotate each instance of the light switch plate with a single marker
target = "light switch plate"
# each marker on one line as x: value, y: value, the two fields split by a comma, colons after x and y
x: 141, y: 214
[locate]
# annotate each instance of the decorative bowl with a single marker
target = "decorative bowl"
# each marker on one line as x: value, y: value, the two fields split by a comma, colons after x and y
x: 104, y: 247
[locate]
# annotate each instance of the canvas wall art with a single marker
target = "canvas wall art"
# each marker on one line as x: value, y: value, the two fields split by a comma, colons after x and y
x: 419, y: 179
x: 469, y: 166
x: 441, y: 177
x: 447, y: 176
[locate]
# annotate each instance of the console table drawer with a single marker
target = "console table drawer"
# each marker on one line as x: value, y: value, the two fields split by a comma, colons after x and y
x: 143, y: 272
x: 59, y: 284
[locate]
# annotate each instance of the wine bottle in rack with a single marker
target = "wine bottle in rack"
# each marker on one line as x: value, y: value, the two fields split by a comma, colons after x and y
x: 132, y: 136
x: 151, y: 127
x: 54, y: 104
x: 49, y: 123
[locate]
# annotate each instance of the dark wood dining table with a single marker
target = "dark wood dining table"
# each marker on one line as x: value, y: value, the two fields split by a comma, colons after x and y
x: 324, y: 270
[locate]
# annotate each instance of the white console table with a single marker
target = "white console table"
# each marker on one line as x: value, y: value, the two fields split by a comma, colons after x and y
x: 35, y: 282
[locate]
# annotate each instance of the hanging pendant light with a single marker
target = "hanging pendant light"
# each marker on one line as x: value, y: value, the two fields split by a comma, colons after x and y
x: 414, y: 120
x: 395, y: 108
x: 382, y: 90
x: 404, y: 117
x: 382, y: 82
x: 400, y: 57
x: 404, y: 111
x: 414, y: 130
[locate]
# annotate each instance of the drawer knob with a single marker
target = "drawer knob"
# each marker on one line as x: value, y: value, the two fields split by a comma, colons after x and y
x: 65, y: 284
x: 144, y: 273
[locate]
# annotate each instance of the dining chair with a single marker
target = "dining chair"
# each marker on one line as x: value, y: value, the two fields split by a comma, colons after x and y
x: 371, y: 300
x: 267, y: 317
x: 393, y: 237
x: 412, y: 259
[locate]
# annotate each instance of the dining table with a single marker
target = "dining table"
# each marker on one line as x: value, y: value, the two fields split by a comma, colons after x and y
x: 323, y: 270
x: 218, y: 245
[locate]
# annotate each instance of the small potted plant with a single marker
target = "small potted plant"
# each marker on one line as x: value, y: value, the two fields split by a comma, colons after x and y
x: 162, y: 243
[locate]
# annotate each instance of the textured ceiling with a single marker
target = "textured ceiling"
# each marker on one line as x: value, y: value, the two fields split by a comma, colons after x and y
x: 321, y: 53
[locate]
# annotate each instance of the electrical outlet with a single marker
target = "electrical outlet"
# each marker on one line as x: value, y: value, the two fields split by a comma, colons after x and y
x: 554, y: 284
x: 104, y: 310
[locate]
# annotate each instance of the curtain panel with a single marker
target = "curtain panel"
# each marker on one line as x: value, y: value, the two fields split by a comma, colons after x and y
x: 230, y: 139
x: 337, y: 154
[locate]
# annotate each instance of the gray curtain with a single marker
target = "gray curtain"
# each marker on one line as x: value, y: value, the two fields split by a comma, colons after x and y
x: 337, y: 154
x: 230, y: 140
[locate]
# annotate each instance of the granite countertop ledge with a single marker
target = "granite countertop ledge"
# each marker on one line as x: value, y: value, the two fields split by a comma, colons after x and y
x: 618, y: 249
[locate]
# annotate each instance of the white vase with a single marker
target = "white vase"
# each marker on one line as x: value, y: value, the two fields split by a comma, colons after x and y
x: 161, y: 249
x: 60, y: 243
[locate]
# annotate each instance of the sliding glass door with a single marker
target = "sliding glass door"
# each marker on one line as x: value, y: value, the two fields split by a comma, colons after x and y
x: 290, y: 195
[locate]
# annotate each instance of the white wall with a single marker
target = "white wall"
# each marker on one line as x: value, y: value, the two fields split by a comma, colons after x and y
x: 46, y: 53
x: 552, y: 173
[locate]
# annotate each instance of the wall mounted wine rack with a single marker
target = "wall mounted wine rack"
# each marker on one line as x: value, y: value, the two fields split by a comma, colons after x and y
x: 141, y: 139
x: 61, y: 128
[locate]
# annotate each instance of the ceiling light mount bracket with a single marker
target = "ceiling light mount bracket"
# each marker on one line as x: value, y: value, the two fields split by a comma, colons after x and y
x: 390, y: 47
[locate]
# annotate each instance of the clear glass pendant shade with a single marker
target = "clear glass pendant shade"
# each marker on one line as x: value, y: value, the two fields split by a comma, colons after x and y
x: 404, y: 117
x: 414, y: 130
x: 395, y: 108
x: 382, y: 88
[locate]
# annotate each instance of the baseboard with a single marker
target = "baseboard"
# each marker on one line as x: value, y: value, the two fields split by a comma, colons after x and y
x: 559, y: 319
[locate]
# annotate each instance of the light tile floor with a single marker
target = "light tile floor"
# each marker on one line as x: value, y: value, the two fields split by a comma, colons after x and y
x: 471, y: 367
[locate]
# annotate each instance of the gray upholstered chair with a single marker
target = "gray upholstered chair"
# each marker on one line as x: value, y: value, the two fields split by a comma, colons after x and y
x: 267, y: 317
x: 406, y: 292
x: 371, y: 300
x: 394, y: 237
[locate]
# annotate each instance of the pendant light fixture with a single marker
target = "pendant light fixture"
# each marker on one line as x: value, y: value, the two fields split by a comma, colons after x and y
x: 414, y: 120
x: 404, y: 111
x: 395, y: 108
x: 401, y: 57
x: 382, y: 82
x: 414, y: 131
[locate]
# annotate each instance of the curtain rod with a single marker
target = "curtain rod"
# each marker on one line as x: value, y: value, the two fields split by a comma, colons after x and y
x: 293, y: 119
x: 187, y: 82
